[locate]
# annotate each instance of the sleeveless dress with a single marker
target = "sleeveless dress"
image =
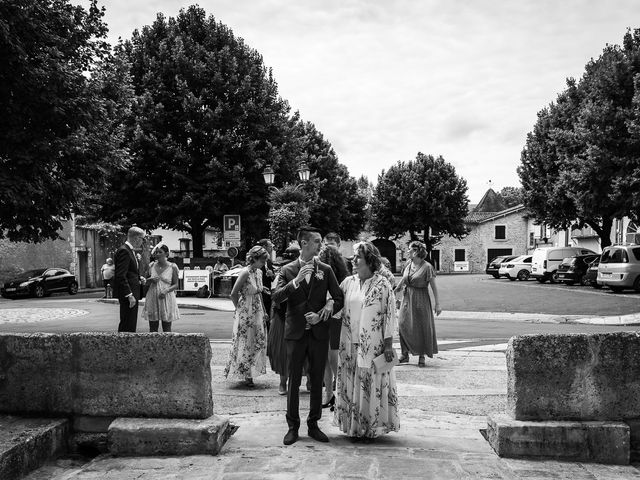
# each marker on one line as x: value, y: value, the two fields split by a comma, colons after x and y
x: 415, y: 319
x: 248, y: 355
x: 158, y: 309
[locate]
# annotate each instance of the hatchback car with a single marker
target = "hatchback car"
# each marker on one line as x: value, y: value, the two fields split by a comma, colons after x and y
x: 493, y: 267
x: 620, y: 267
x: 518, y: 268
x: 591, y: 277
x: 574, y: 269
x: 40, y: 283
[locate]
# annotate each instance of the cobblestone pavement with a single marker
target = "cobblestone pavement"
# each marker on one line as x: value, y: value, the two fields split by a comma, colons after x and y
x: 34, y: 315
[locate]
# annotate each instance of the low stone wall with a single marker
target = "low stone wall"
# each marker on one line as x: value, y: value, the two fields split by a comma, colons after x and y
x: 574, y: 377
x: 106, y: 374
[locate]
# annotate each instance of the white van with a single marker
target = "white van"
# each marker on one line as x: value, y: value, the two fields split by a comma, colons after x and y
x: 545, y: 261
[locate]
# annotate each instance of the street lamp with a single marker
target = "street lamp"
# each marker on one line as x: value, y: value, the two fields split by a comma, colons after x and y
x: 303, y: 172
x: 269, y: 175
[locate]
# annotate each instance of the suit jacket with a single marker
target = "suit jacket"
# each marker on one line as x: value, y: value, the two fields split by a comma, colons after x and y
x: 127, y: 276
x: 308, y: 297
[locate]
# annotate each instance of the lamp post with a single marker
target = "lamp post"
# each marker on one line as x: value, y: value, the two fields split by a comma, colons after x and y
x: 269, y: 175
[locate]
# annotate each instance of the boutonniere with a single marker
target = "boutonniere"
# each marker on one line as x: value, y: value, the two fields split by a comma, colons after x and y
x: 319, y: 274
x: 138, y: 257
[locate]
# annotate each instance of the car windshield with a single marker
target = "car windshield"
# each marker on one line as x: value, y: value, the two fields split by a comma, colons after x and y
x: 33, y: 273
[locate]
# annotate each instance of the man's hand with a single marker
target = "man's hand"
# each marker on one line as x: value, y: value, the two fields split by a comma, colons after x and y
x: 143, y: 280
x: 327, y: 311
x: 132, y: 301
x: 304, y: 271
x: 312, y: 318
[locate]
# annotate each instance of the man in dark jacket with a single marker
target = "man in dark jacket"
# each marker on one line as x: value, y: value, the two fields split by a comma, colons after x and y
x: 127, y: 281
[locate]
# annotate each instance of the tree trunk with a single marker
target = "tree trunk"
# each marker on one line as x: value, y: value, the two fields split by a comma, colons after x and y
x: 196, y: 237
x: 605, y: 232
x: 427, y: 240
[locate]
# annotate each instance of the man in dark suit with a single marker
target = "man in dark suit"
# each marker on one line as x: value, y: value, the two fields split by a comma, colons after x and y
x: 127, y: 280
x: 304, y: 284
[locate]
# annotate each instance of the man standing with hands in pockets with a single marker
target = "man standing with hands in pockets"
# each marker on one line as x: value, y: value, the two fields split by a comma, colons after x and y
x: 304, y: 285
x: 127, y: 284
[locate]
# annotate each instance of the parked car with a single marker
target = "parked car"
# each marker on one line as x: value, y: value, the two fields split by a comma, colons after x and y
x: 574, y: 269
x: 40, y: 283
x: 591, y: 277
x: 493, y: 267
x: 620, y: 267
x: 519, y: 267
x: 545, y: 262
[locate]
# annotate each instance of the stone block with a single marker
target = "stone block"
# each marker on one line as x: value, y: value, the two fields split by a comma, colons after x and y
x: 106, y: 374
x: 27, y: 443
x: 163, y: 436
x: 574, y: 376
x: 592, y: 441
x: 89, y: 424
x: 634, y: 428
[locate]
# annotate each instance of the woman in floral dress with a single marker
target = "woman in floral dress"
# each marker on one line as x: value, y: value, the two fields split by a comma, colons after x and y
x: 248, y: 355
x: 160, y: 305
x: 367, y: 401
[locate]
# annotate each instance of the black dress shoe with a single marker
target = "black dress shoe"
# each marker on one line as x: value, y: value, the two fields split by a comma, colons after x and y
x: 291, y: 437
x: 330, y: 403
x: 317, y: 434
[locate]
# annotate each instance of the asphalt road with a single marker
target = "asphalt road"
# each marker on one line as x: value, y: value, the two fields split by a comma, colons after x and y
x: 481, y: 293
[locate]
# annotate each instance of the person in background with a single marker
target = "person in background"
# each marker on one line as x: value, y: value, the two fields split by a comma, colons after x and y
x: 127, y: 280
x: 248, y: 354
x: 267, y: 277
x: 330, y: 255
x: 220, y: 266
x: 416, y: 320
x: 385, y: 269
x: 367, y: 399
x: 160, y: 302
x: 332, y: 238
x: 108, y: 271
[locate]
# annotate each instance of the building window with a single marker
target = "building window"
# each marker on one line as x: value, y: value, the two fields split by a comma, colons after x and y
x: 532, y: 239
x: 460, y: 255
x: 500, y: 232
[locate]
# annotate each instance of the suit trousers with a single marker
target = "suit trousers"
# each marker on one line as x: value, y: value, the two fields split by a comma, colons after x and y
x: 128, y: 316
x: 307, y: 347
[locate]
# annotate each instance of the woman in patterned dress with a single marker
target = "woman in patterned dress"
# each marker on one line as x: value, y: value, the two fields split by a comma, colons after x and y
x: 367, y: 401
x: 160, y: 305
x: 248, y: 355
x: 416, y: 323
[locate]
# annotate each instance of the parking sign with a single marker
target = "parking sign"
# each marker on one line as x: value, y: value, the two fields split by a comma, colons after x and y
x: 231, y: 228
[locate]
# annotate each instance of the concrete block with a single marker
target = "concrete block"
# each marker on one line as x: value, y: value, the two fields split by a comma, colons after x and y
x: 594, y: 441
x: 634, y: 428
x: 162, y: 436
x: 88, y: 444
x: 106, y: 374
x: 27, y: 443
x: 89, y: 424
x: 574, y: 376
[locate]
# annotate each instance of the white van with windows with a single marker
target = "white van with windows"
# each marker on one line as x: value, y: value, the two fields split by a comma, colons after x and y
x: 545, y: 261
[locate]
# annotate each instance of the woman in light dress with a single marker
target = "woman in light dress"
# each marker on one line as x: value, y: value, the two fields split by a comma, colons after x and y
x: 416, y: 321
x: 160, y: 302
x: 248, y: 355
x: 367, y: 400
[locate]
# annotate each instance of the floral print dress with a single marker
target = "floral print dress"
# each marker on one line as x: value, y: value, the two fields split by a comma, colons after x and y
x: 248, y: 355
x: 164, y: 309
x: 366, y: 403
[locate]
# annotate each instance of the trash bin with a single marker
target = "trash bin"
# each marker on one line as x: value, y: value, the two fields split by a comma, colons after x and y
x: 225, y: 287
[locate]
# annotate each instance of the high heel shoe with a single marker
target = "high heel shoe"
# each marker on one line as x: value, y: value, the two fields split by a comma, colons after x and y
x: 330, y: 403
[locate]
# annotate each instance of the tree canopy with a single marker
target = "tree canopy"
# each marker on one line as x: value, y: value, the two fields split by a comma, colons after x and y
x: 511, y: 196
x: 56, y: 131
x: 205, y: 120
x: 581, y: 162
x: 423, y: 194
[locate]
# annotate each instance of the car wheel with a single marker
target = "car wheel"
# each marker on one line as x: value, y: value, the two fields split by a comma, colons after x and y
x: 39, y: 292
x: 73, y: 288
x: 615, y: 289
x: 554, y: 277
x: 583, y: 281
x: 636, y: 285
x: 523, y: 275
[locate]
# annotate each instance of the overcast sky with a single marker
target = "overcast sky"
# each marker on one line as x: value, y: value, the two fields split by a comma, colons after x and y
x: 385, y: 79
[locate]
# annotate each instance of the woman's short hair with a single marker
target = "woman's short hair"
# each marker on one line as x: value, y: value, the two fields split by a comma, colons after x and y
x: 420, y: 248
x: 370, y: 253
x: 256, y: 254
x: 160, y: 247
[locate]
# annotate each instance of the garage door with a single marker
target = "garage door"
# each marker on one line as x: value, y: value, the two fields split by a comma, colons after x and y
x: 496, y: 252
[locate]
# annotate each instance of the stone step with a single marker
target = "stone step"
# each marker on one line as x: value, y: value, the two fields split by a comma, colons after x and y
x: 27, y: 443
x: 164, y: 436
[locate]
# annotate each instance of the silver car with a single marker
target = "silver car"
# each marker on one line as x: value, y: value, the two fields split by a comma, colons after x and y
x: 620, y: 267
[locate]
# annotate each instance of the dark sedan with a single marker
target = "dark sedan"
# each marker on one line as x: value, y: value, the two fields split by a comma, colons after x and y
x: 574, y: 269
x: 40, y: 283
x: 493, y: 266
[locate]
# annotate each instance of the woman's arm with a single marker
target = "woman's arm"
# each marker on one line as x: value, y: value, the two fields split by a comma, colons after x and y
x: 434, y: 287
x: 235, y: 293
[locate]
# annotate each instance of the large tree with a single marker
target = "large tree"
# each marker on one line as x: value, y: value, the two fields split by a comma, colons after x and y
x: 205, y: 121
x: 580, y: 165
x: 423, y: 194
x: 57, y: 136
